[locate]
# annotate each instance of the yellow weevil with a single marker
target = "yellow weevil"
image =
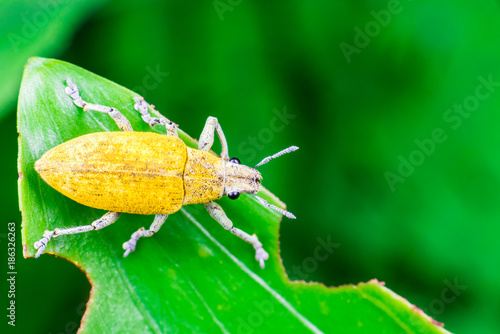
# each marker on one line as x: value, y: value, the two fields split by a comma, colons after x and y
x: 147, y: 173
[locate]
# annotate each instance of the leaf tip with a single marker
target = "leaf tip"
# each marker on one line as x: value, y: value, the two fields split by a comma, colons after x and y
x: 35, y: 62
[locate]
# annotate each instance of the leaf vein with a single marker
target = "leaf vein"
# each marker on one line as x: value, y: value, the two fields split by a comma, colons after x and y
x: 256, y: 278
x: 209, y: 309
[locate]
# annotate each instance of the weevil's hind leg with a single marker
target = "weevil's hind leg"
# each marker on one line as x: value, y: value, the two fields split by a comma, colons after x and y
x: 122, y: 122
x: 106, y: 220
x: 207, y: 137
x: 219, y: 215
x: 142, y: 106
x: 129, y: 246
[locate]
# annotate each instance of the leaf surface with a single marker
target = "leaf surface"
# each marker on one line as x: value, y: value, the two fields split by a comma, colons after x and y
x: 30, y: 28
x: 192, y: 276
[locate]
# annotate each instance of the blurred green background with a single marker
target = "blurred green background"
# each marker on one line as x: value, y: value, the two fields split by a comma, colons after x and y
x: 394, y: 104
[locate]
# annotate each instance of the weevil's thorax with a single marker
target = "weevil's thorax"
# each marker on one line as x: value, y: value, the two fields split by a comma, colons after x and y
x: 203, y: 177
x: 241, y: 179
x: 208, y: 177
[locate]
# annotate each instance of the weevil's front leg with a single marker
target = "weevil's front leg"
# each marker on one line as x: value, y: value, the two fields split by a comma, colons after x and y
x: 219, y: 215
x: 106, y: 220
x: 207, y: 137
x: 122, y: 122
x: 129, y: 246
x: 142, y: 106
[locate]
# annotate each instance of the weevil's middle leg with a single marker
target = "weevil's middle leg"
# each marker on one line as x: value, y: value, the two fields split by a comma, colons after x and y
x: 129, y: 246
x: 219, y: 215
x: 142, y: 106
x: 106, y: 220
x: 207, y: 137
x: 122, y: 122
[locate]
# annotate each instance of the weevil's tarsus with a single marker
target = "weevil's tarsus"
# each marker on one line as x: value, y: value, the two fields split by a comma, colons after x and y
x: 207, y: 137
x: 217, y: 213
x: 122, y: 122
x: 106, y: 220
x: 142, y: 106
x: 274, y: 207
x: 42, y: 243
x: 72, y: 90
x: 129, y: 246
x: 279, y: 154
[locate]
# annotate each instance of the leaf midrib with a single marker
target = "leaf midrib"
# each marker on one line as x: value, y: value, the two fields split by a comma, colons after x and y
x: 280, y: 299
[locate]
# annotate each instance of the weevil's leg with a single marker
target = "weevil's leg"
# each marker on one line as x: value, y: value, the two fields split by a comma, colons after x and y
x: 129, y: 246
x: 106, y: 220
x: 207, y: 137
x: 122, y: 122
x: 219, y: 215
x: 142, y: 106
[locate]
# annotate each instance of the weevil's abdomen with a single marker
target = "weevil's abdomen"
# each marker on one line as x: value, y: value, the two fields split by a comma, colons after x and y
x: 133, y: 172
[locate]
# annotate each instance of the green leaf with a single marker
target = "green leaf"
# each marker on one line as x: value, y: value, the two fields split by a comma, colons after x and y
x: 192, y: 276
x: 34, y: 27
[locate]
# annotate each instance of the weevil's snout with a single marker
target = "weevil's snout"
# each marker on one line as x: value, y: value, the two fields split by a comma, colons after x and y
x: 241, y: 179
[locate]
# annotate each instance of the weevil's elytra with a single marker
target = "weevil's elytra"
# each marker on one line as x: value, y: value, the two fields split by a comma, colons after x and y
x: 143, y: 169
x: 147, y: 173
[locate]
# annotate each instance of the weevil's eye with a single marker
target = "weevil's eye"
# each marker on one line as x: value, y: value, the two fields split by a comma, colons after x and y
x: 234, y: 194
x: 235, y: 161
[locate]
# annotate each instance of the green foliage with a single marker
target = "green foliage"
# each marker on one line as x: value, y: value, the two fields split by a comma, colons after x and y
x: 30, y: 28
x: 353, y: 121
x: 192, y: 276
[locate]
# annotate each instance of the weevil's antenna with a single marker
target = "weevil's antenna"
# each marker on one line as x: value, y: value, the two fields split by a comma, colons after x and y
x: 274, y: 156
x: 274, y: 207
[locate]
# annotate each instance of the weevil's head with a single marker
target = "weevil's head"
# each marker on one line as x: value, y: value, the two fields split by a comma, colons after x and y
x: 242, y: 179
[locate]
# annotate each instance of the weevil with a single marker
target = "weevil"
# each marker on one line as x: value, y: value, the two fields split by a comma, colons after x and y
x: 147, y: 173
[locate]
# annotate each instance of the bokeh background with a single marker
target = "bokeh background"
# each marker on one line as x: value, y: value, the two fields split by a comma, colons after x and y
x: 394, y: 104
